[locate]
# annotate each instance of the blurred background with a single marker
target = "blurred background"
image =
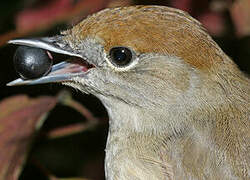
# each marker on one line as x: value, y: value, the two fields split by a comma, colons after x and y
x: 80, y: 153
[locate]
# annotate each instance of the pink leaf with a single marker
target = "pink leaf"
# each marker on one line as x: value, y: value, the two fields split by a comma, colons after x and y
x: 31, y: 18
x: 240, y: 12
x: 55, y: 11
x: 19, y: 119
x: 185, y: 5
x: 213, y: 22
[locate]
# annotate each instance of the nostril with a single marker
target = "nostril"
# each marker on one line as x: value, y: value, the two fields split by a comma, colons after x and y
x: 31, y: 63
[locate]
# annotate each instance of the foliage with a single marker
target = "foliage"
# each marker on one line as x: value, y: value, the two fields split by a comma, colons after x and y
x: 71, y: 142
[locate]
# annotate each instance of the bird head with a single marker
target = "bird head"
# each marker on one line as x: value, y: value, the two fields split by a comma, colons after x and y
x: 139, y: 57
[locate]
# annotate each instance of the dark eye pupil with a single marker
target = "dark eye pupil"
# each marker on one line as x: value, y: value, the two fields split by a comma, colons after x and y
x: 120, y: 56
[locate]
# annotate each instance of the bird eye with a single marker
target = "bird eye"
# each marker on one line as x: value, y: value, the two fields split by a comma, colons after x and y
x: 120, y: 56
x: 31, y: 62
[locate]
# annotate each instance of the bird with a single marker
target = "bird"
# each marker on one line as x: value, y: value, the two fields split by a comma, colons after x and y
x: 178, y: 106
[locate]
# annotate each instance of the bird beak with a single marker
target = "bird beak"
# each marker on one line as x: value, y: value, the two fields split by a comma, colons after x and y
x: 63, y: 71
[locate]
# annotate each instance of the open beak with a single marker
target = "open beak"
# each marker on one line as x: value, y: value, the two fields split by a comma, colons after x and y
x: 63, y: 71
